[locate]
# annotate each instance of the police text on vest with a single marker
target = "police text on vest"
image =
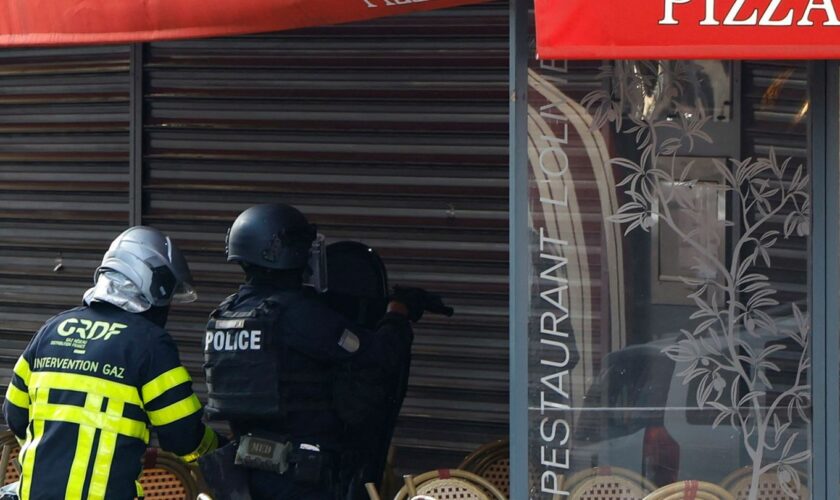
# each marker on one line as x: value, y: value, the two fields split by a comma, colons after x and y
x: 232, y: 340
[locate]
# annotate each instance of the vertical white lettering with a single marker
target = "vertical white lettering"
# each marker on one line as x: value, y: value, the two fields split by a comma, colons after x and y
x: 552, y: 328
x: 553, y: 461
x: 560, y: 163
x: 545, y: 239
x: 551, y: 484
x: 557, y: 202
x: 554, y: 425
x: 553, y: 273
x: 546, y: 405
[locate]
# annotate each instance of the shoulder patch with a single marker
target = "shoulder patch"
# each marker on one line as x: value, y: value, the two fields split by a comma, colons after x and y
x: 349, y: 341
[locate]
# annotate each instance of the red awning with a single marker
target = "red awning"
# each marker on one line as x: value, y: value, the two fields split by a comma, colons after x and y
x: 688, y: 29
x: 65, y: 22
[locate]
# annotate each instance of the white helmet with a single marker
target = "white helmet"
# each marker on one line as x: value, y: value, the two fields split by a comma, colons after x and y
x: 152, y: 263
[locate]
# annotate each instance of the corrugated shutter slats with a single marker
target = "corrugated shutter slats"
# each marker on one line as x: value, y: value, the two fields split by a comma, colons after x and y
x: 392, y: 132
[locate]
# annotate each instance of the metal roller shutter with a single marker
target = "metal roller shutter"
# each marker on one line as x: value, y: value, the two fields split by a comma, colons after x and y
x: 775, y: 109
x: 392, y: 132
x: 64, y: 121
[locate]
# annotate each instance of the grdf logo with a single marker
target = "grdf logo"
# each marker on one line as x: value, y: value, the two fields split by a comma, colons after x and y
x: 89, y: 330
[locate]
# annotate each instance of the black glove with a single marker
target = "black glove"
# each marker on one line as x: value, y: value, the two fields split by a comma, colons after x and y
x: 417, y: 301
x: 414, y: 299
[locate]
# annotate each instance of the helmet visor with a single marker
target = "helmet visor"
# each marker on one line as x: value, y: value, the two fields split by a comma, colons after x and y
x: 184, y: 294
x: 315, y: 274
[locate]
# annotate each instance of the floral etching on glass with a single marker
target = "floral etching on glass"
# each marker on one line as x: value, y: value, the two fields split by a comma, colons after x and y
x: 733, y: 302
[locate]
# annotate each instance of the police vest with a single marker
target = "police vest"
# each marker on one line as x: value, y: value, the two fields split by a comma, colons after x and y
x: 246, y: 362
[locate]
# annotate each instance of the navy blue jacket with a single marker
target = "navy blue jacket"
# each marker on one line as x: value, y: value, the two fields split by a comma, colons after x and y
x: 82, y: 398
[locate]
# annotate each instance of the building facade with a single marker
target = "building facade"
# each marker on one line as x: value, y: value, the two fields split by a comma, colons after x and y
x: 640, y: 244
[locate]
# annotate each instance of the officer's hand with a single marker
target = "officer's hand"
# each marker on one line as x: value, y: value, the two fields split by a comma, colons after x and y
x: 414, y: 300
x: 417, y: 300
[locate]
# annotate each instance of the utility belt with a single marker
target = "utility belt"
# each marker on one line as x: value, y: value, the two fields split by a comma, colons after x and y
x: 306, y: 463
x: 225, y: 470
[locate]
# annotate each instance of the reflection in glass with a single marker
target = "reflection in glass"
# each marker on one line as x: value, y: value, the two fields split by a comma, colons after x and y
x: 670, y: 263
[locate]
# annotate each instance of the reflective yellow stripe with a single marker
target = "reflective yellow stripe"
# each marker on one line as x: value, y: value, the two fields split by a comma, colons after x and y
x: 105, y: 455
x: 22, y: 370
x: 83, y: 416
x: 208, y: 443
x: 164, y: 382
x: 139, y: 488
x: 84, y: 447
x: 175, y: 411
x: 86, y: 384
x: 27, y: 453
x: 17, y: 397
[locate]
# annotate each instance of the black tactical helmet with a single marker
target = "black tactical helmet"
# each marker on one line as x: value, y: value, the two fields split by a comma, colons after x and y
x: 272, y: 236
x: 358, y: 282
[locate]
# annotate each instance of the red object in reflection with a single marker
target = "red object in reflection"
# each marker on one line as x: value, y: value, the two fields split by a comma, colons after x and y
x: 67, y: 22
x: 661, y: 455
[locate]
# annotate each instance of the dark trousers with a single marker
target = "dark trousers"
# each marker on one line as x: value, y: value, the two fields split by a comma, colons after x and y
x: 269, y: 486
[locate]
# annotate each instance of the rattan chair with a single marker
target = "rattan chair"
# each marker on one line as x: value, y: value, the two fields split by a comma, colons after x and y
x: 607, y: 483
x: 9, y: 450
x: 167, y: 477
x: 769, y: 486
x: 449, y: 484
x: 690, y: 490
x: 492, y: 462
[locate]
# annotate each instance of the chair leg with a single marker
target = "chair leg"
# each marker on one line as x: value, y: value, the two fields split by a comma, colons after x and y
x: 409, y: 483
x: 4, y: 463
x: 371, y: 490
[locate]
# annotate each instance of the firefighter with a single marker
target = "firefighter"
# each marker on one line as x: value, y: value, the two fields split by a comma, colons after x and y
x: 280, y: 364
x: 94, y: 378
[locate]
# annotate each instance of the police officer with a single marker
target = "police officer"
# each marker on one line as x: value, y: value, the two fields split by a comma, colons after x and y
x: 358, y: 289
x: 93, y: 378
x: 278, y: 361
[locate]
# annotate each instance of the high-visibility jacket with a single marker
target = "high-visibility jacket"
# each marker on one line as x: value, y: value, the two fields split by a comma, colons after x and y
x: 83, y: 396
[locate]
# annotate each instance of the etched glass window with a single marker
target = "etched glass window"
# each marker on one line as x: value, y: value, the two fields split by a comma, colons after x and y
x: 669, y: 329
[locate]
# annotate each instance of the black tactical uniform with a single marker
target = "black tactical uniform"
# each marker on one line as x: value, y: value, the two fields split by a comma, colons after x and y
x: 85, y: 391
x: 281, y: 364
x: 359, y: 290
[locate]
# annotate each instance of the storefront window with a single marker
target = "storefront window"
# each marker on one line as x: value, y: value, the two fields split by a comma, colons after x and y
x: 669, y: 327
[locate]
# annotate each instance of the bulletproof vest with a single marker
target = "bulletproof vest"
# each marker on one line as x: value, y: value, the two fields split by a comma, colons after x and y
x: 246, y: 362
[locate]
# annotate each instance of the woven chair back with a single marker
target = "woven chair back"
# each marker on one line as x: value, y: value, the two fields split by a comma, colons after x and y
x: 690, y: 490
x: 492, y: 462
x: 451, y: 489
x: 449, y: 484
x: 770, y: 486
x: 9, y: 450
x: 607, y: 483
x: 166, y: 477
